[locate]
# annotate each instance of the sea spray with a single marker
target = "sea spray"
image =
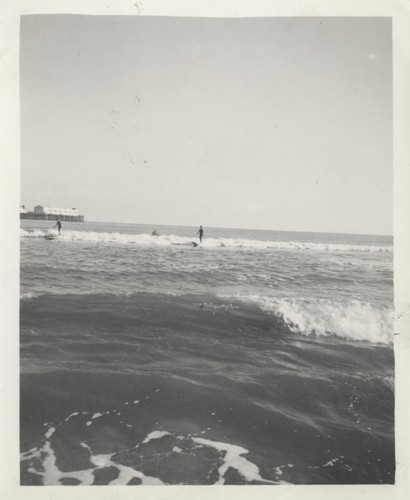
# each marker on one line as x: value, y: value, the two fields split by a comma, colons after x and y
x: 350, y: 319
x: 260, y: 354
x: 219, y: 243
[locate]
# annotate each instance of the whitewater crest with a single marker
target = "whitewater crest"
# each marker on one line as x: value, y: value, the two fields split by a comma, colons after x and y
x: 28, y: 295
x: 127, y: 466
x: 350, y: 319
x: 171, y: 239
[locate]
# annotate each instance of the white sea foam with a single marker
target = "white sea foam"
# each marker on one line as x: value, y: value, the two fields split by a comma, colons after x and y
x: 231, y: 456
x: 155, y: 435
x: 234, y: 459
x: 171, y: 239
x: 35, y: 233
x: 28, y: 295
x: 52, y: 475
x: 355, y: 320
x: 86, y: 293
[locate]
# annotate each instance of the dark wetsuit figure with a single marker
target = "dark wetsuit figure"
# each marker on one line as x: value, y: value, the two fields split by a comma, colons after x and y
x: 200, y: 232
x: 58, y: 225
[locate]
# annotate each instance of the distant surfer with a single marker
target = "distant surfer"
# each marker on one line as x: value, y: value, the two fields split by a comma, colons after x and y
x: 58, y: 225
x: 201, y: 233
x: 154, y: 233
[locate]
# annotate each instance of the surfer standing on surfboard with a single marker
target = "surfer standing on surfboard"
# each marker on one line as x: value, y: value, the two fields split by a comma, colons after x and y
x: 200, y: 232
x: 58, y: 225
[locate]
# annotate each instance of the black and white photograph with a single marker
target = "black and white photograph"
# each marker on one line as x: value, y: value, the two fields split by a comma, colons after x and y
x: 206, y: 258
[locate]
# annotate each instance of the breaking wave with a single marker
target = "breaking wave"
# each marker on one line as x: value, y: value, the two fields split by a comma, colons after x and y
x: 353, y: 320
x: 171, y: 239
x: 28, y: 295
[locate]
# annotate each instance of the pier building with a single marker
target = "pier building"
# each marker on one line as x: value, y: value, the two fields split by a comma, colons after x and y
x: 42, y: 212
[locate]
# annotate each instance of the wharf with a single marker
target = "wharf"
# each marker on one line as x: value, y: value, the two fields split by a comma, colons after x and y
x: 64, y: 218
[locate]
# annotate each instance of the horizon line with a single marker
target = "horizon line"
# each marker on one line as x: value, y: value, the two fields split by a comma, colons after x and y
x: 241, y: 228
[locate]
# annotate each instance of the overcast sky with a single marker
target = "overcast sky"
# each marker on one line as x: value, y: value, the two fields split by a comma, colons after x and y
x: 264, y: 123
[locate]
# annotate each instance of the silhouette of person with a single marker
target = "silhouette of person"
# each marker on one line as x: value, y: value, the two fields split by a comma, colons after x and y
x: 58, y: 225
x: 201, y: 233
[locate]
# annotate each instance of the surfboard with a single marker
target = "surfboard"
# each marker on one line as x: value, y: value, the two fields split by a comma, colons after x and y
x: 49, y: 237
x: 187, y: 244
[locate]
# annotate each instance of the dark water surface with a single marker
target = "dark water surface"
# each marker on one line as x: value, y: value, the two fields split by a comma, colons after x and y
x: 256, y: 358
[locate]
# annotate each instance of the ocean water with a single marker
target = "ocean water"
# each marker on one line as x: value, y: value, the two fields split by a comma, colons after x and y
x: 258, y: 357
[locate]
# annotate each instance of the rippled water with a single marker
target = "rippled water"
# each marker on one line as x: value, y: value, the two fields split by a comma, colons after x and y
x: 256, y: 357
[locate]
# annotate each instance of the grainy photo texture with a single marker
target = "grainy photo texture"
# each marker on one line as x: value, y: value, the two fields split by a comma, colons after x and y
x: 206, y: 251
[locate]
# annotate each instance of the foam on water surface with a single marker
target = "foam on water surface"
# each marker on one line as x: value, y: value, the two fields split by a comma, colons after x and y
x: 43, y: 461
x: 186, y: 358
x: 349, y: 319
x: 234, y: 459
x: 172, y: 239
x: 155, y: 435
